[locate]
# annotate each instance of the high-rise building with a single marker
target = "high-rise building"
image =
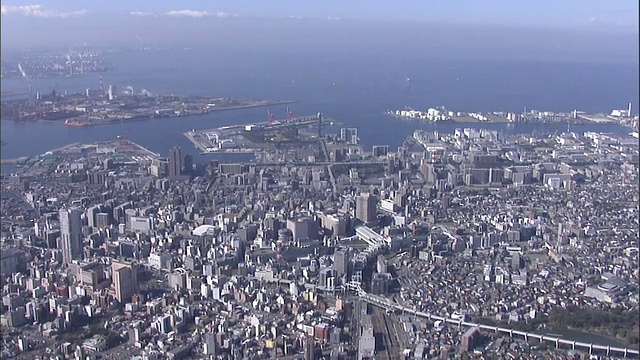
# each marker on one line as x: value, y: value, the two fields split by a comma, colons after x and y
x: 159, y: 167
x: 366, y: 207
x: 210, y: 344
x: 303, y: 228
x: 380, y: 150
x: 70, y: 234
x: 175, y: 163
x: 125, y: 279
x: 102, y: 220
x: 188, y: 165
x: 380, y: 283
x: 469, y: 338
x: 349, y: 135
x: 309, y: 349
x: 341, y: 261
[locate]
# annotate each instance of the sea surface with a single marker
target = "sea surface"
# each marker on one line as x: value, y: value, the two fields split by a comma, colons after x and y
x: 353, y: 87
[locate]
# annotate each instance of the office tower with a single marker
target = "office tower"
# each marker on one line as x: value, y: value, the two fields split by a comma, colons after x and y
x: 70, y: 234
x: 188, y: 165
x: 380, y: 283
x: 125, y: 279
x: 309, y: 349
x: 159, y: 167
x: 91, y: 215
x: 560, y: 235
x: 102, y: 220
x: 210, y: 344
x: 469, y: 338
x: 380, y: 150
x: 349, y: 135
x: 366, y: 207
x: 175, y: 163
x: 341, y: 262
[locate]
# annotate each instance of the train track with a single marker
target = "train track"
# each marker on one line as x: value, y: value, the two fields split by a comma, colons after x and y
x: 390, y: 348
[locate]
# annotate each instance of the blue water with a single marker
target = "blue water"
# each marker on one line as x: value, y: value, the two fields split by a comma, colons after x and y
x: 353, y: 87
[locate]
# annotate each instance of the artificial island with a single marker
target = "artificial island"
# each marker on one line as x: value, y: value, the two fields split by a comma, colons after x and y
x: 98, y: 107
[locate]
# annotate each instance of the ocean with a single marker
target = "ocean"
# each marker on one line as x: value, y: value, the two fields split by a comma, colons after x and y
x: 351, y: 87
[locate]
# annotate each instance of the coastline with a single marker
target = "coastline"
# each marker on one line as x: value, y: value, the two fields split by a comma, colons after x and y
x: 465, y: 119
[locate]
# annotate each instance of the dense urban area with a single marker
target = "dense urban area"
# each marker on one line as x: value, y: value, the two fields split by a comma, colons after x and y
x: 472, y: 244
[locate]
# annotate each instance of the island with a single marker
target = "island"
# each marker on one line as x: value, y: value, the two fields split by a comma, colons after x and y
x: 97, y: 107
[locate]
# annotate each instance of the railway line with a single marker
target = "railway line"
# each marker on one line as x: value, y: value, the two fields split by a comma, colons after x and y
x: 390, y: 347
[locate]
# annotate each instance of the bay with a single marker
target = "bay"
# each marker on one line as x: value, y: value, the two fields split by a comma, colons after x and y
x: 354, y: 88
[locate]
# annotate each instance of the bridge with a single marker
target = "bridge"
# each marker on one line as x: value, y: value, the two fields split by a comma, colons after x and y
x: 391, y: 305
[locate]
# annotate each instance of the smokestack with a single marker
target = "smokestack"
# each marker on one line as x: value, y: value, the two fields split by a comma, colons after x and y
x: 629, y: 112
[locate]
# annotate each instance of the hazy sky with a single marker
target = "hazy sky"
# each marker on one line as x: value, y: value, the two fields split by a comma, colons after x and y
x: 570, y: 13
x: 106, y: 22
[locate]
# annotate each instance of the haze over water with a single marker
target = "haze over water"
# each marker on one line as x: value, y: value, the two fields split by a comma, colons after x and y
x: 352, y: 79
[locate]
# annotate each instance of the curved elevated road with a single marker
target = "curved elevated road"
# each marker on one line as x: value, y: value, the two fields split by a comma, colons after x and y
x: 391, y: 305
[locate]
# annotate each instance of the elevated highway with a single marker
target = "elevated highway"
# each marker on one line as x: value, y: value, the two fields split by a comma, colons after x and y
x: 391, y: 305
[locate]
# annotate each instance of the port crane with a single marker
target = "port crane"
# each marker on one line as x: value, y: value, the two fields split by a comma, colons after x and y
x: 270, y: 116
x: 289, y: 114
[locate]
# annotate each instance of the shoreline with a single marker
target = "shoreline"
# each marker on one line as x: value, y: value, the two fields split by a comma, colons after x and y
x: 470, y: 120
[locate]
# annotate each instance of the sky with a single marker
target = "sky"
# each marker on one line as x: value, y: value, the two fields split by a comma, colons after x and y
x: 621, y: 14
x: 105, y: 22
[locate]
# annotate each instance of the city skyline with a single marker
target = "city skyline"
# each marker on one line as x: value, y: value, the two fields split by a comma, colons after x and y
x: 343, y: 180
